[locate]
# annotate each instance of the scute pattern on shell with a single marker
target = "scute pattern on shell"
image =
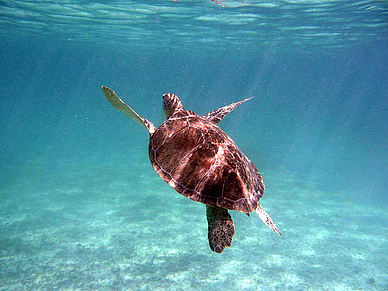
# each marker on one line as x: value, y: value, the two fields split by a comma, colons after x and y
x: 198, y: 159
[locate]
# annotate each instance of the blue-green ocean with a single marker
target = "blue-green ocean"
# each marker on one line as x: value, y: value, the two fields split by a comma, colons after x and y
x: 81, y: 207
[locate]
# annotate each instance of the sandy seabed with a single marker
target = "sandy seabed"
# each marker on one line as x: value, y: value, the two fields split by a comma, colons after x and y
x: 92, y: 226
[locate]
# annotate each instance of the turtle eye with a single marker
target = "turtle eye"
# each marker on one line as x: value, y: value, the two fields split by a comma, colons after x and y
x: 167, y: 105
x: 167, y: 101
x: 169, y: 96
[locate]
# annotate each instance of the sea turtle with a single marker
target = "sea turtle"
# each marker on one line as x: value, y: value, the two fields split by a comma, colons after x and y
x: 200, y: 161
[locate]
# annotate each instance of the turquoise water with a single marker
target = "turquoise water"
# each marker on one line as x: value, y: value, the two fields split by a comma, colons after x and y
x: 81, y: 207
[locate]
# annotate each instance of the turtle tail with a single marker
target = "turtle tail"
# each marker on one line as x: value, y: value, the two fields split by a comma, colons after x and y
x: 220, y: 228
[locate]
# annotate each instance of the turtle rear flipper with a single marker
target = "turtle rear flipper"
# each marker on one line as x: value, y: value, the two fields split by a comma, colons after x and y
x: 220, y: 228
x: 264, y: 216
x: 119, y: 104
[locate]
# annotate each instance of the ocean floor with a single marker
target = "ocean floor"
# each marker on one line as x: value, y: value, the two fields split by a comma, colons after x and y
x: 91, y: 225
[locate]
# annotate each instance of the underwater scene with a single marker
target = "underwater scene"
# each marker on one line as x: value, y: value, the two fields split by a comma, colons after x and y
x: 81, y: 206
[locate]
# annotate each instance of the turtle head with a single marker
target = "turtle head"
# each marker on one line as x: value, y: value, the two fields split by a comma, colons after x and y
x: 171, y: 104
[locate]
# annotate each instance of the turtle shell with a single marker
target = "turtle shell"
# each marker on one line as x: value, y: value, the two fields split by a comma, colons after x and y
x: 200, y: 161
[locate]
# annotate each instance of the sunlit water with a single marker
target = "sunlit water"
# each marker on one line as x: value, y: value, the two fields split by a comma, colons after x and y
x: 80, y: 205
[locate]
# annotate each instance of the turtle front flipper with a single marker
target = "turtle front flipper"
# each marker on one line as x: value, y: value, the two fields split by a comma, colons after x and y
x: 264, y: 216
x: 119, y: 104
x: 217, y: 115
x: 220, y: 228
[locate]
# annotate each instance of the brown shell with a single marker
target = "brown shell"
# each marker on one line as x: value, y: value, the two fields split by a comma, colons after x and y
x: 200, y: 161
